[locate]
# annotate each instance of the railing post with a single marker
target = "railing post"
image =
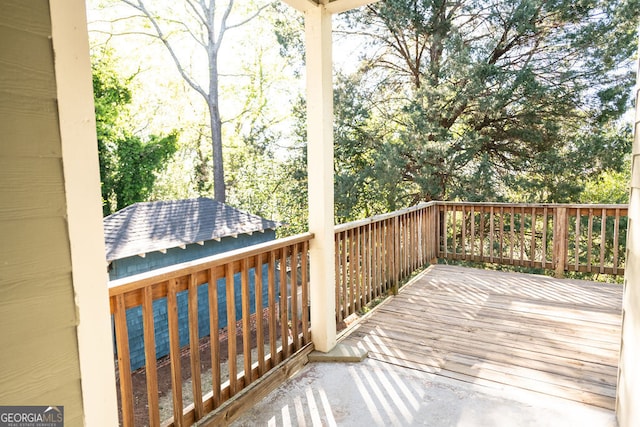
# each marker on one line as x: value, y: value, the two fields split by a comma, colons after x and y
x: 432, y: 235
x: 442, y: 232
x: 560, y: 236
x: 396, y: 271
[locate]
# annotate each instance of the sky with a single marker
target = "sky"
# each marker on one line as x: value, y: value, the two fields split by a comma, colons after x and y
x: 162, y: 97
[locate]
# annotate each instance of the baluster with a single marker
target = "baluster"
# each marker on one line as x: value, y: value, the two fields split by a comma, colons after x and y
x: 194, y: 347
x: 577, y: 261
x: 124, y: 360
x: 174, y: 353
x: 616, y: 237
x: 294, y: 298
x: 214, y: 330
x: 246, y: 320
x: 231, y: 330
x: 305, y: 293
x: 151, y: 369
x: 259, y: 315
x: 284, y: 310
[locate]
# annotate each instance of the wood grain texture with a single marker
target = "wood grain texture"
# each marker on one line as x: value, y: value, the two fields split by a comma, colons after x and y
x: 28, y: 113
x: 246, y: 320
x: 32, y: 17
x: 38, y: 301
x: 215, y: 340
x: 124, y: 365
x: 34, y: 249
x: 35, y: 367
x: 174, y: 347
x: 150, y: 358
x: 557, y: 337
x: 194, y: 347
x: 28, y: 64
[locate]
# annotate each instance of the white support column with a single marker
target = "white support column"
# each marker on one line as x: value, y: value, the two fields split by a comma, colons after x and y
x: 320, y: 176
x: 628, y: 390
x: 84, y: 214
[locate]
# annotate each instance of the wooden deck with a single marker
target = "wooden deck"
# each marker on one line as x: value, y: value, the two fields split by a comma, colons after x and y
x: 557, y: 337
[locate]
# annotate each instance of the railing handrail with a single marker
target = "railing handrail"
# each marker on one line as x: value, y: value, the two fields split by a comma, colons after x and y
x: 139, y: 281
x: 539, y: 205
x: 381, y: 217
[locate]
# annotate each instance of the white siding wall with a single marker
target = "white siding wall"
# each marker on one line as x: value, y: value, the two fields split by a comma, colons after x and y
x: 628, y: 405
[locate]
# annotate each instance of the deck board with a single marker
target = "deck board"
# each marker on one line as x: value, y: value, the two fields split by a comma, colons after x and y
x: 557, y: 337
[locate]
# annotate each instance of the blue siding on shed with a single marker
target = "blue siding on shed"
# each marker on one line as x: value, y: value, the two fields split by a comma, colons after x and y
x: 134, y: 317
x: 134, y: 265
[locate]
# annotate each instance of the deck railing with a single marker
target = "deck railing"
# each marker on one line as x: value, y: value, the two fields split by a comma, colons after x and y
x: 581, y: 238
x: 278, y: 327
x: 263, y: 292
x: 374, y: 255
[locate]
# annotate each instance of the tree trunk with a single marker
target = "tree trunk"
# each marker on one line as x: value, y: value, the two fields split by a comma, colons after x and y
x: 219, y: 186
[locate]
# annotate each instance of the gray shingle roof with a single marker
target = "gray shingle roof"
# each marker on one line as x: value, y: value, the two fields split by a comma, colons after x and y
x: 153, y: 226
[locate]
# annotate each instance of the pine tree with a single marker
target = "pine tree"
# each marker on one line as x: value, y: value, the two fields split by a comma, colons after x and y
x: 485, y: 100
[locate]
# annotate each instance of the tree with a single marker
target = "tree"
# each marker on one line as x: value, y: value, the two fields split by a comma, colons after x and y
x: 489, y: 99
x: 205, y: 24
x: 128, y: 163
x: 294, y: 174
x: 265, y: 165
x: 362, y: 185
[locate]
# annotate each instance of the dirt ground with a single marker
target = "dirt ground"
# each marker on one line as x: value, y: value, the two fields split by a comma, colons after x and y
x: 139, y: 377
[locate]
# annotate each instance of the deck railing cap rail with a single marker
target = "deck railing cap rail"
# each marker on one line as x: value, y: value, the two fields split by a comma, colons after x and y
x: 378, y: 218
x: 537, y: 205
x: 127, y: 284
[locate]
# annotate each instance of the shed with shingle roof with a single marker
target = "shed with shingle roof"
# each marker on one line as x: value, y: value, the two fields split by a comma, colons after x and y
x: 148, y: 227
x: 150, y: 235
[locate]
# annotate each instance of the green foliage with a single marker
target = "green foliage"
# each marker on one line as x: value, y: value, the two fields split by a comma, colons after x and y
x: 294, y: 194
x: 610, y: 187
x: 137, y: 162
x: 128, y: 163
x: 259, y: 154
x: 293, y: 208
x: 482, y: 100
x: 478, y: 100
x: 289, y: 33
x: 355, y: 150
x: 254, y: 180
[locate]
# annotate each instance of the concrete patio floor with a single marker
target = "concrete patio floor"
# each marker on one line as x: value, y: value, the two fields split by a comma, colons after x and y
x: 376, y: 393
